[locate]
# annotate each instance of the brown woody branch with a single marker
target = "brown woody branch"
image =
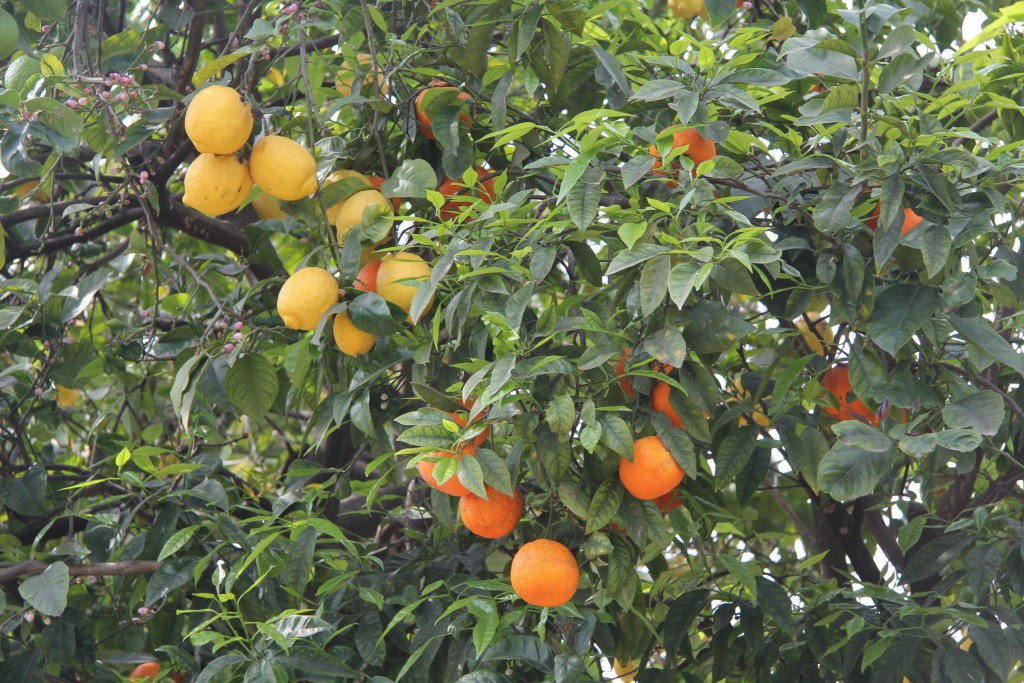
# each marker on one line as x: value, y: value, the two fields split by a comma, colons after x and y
x: 35, y: 567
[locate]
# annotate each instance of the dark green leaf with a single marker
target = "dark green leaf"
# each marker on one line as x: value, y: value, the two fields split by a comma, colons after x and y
x: 47, y: 592
x: 985, y: 340
x: 604, y: 505
x: 251, y: 384
x: 654, y: 284
x: 733, y: 454
x: 983, y: 411
x: 900, y: 312
x: 775, y: 601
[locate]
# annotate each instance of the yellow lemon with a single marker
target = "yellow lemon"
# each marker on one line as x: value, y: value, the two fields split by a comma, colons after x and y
x: 688, y: 9
x: 396, y: 276
x: 218, y: 120
x: 66, y: 397
x: 822, y: 332
x: 352, y: 212
x: 625, y: 671
x: 305, y: 297
x: 347, y: 76
x: 337, y: 177
x: 350, y: 339
x: 267, y: 208
x: 283, y: 168
x: 217, y: 183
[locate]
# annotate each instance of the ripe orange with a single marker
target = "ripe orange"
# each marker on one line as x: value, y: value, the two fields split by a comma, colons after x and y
x: 910, y: 219
x: 837, y: 382
x: 423, y: 102
x: 366, y: 278
x: 699, y: 149
x: 453, y: 487
x: 660, y: 403
x: 545, y: 573
x: 150, y: 671
x: 653, y: 471
x: 620, y: 372
x: 378, y: 183
x: 461, y: 418
x: 460, y: 196
x: 669, y: 501
x: 494, y: 516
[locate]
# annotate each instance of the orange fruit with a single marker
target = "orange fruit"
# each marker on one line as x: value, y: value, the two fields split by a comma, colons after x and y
x: 653, y: 471
x: 378, y: 183
x: 669, y: 501
x: 366, y: 278
x: 620, y: 372
x: 545, y: 573
x: 699, y: 149
x: 453, y: 487
x: 491, y: 517
x: 423, y: 100
x: 462, y: 419
x: 910, y: 219
x: 837, y: 382
x: 660, y: 403
x: 460, y: 196
x: 147, y: 671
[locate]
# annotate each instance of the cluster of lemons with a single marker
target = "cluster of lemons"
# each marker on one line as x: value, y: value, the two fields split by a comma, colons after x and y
x: 219, y: 122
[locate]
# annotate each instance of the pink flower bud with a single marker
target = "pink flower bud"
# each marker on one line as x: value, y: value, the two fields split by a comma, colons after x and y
x: 291, y: 9
x: 79, y: 232
x: 144, y: 312
x: 238, y: 325
x: 67, y: 340
x: 45, y: 28
x: 108, y: 82
x: 238, y: 336
x: 72, y: 103
x: 145, y: 67
x: 38, y: 391
x: 47, y: 621
x: 30, y: 616
x: 229, y: 347
x: 143, y: 611
x: 159, y: 45
x: 82, y: 101
x: 144, y: 176
x: 90, y: 579
x: 234, y: 42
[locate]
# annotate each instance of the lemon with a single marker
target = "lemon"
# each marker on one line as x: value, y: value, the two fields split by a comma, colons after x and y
x: 217, y: 183
x: 347, y: 76
x: 283, y: 168
x: 337, y: 177
x: 688, y: 9
x: 305, y: 297
x: 66, y: 398
x: 8, y: 34
x: 396, y: 275
x: 822, y: 332
x: 218, y: 120
x: 351, y: 212
x: 267, y: 208
x: 350, y: 339
x: 22, y: 72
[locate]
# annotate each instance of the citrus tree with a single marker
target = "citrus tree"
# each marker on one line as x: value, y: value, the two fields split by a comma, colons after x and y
x: 511, y: 341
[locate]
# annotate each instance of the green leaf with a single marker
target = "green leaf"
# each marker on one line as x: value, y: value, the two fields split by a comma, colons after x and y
x: 486, y: 624
x: 776, y: 604
x: 910, y: 532
x: 47, y: 593
x: 667, y: 346
x: 678, y: 443
x: 935, y: 245
x: 495, y: 471
x: 584, y: 198
x: 251, y: 385
x: 371, y: 313
x: 182, y: 390
x: 25, y: 495
x: 631, y: 257
x: 743, y: 572
x: 411, y: 179
x: 934, y: 557
x: 471, y: 475
x: 835, y: 210
x: 850, y: 471
x: 561, y: 416
x: 986, y: 341
x: 983, y: 411
x: 733, y: 454
x: 215, y: 66
x: 177, y: 541
x: 900, y: 312
x: 617, y: 436
x: 658, y: 89
x: 604, y: 505
x: 654, y: 284
x: 681, y: 282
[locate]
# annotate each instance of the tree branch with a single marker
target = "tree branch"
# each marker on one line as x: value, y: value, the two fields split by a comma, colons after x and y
x: 35, y: 567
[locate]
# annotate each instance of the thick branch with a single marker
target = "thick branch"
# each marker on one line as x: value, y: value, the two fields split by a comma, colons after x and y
x: 35, y: 567
x: 848, y: 533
